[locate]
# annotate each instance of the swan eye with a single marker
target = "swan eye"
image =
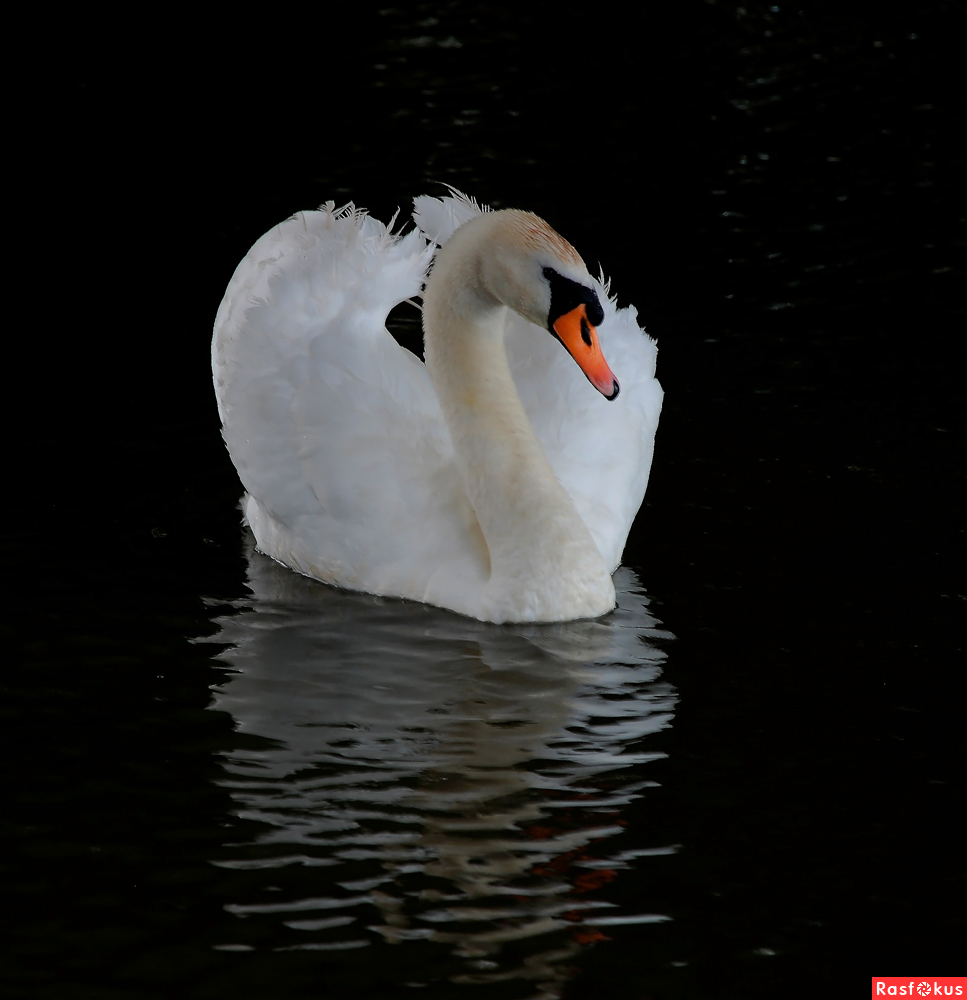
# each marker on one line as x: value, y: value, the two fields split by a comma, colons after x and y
x: 567, y: 295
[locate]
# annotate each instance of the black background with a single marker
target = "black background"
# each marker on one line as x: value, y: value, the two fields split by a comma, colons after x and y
x: 774, y: 187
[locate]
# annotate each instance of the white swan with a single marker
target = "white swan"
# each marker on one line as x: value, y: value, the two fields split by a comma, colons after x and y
x: 494, y: 480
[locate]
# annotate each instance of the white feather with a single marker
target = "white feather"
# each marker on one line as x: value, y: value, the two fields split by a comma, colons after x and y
x: 338, y: 434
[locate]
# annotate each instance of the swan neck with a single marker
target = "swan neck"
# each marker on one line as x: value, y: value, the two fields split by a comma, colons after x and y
x: 533, y: 531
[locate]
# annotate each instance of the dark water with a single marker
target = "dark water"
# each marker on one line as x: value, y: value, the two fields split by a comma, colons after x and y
x: 224, y: 781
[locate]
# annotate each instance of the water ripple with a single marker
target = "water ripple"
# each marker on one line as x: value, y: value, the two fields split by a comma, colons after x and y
x: 445, y: 780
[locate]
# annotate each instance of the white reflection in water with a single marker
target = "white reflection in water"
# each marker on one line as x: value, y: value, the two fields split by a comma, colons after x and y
x: 439, y: 778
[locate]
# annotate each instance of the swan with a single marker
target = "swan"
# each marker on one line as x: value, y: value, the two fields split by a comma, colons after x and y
x: 499, y: 479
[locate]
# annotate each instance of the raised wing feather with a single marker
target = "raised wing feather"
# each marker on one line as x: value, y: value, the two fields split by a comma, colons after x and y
x: 301, y: 349
x: 439, y: 218
x: 600, y: 450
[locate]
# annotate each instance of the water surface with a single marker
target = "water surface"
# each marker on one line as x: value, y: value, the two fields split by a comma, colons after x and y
x: 427, y: 779
x: 356, y: 795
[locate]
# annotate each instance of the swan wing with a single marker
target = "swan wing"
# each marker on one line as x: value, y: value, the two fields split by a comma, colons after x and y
x: 600, y: 450
x: 336, y: 430
x: 439, y: 218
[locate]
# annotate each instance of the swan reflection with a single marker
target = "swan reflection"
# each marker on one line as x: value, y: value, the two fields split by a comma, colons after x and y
x: 435, y: 777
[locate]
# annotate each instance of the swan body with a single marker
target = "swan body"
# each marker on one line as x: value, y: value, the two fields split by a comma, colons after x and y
x: 494, y: 480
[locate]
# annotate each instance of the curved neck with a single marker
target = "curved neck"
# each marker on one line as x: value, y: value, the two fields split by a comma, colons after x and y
x: 536, y: 539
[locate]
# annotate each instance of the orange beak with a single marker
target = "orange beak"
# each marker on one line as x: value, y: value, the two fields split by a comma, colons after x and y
x: 580, y: 340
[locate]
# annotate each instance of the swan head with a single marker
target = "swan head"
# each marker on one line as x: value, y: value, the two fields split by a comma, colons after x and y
x: 538, y: 274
